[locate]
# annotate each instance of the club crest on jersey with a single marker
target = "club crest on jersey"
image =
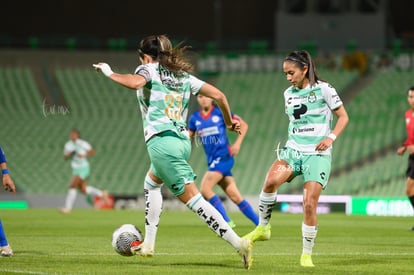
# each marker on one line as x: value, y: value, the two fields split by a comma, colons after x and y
x: 311, y: 97
x: 215, y: 119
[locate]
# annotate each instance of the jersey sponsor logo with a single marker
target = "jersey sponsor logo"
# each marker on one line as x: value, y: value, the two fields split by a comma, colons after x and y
x: 209, y: 131
x: 302, y: 130
x: 211, y: 222
x: 295, y: 99
x: 300, y: 122
x: 299, y: 110
x: 168, y: 80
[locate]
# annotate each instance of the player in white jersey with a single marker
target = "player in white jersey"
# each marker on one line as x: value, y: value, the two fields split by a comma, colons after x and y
x: 78, y: 150
x: 164, y: 84
x: 310, y: 104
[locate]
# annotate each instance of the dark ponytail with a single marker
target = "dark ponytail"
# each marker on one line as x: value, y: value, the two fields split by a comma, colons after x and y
x: 302, y: 59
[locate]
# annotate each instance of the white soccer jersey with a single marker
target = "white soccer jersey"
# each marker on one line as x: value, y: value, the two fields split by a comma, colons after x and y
x: 164, y: 99
x: 310, y: 116
x: 81, y: 147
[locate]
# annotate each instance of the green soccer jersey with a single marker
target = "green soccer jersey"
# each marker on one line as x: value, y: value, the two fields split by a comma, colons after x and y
x: 310, y: 116
x: 164, y: 99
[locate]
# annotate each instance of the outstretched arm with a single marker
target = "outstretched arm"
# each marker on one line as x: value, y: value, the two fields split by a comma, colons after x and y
x: 131, y: 81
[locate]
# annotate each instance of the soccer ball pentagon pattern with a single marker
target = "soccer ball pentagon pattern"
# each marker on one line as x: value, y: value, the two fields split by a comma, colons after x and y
x: 124, y: 237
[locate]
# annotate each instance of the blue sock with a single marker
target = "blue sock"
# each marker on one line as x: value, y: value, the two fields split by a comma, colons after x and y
x: 218, y: 204
x: 3, y: 240
x: 248, y: 211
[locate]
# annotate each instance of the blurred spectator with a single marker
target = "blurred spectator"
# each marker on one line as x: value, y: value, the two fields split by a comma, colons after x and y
x: 355, y: 59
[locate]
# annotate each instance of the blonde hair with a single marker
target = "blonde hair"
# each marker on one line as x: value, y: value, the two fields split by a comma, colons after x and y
x: 160, y: 48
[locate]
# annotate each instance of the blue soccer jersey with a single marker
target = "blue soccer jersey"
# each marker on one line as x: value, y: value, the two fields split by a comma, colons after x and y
x: 210, y: 129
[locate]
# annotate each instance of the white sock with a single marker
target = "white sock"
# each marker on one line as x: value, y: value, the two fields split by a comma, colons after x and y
x: 308, y: 238
x: 266, y: 203
x: 70, y: 198
x: 213, y: 219
x: 153, y: 209
x: 93, y: 191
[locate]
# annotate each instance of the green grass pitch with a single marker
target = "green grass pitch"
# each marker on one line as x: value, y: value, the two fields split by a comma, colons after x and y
x: 47, y: 242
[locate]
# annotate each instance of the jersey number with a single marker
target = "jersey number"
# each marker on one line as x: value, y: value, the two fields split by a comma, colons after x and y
x: 174, y: 106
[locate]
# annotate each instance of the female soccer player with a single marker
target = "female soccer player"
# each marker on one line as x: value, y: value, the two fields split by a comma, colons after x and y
x: 164, y: 83
x: 78, y: 150
x: 207, y: 125
x: 8, y: 185
x: 309, y: 104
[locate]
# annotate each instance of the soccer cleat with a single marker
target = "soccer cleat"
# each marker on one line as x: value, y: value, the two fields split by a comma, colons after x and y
x: 260, y: 233
x: 143, y: 250
x: 6, y: 251
x: 231, y: 224
x: 245, y: 251
x: 65, y: 210
x: 306, y: 260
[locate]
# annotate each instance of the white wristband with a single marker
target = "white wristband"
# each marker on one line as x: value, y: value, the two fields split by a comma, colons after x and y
x: 332, y: 136
x: 104, y: 68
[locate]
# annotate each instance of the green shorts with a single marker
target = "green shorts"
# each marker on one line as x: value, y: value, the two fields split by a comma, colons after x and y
x: 82, y: 172
x: 169, y: 155
x: 312, y: 167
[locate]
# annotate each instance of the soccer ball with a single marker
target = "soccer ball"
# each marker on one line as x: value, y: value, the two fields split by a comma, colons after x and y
x: 124, y: 237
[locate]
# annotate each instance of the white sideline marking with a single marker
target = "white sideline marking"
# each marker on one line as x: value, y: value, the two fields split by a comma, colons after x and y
x: 25, y: 272
x: 255, y: 253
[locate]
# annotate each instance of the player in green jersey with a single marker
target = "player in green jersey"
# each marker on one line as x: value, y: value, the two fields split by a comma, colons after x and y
x: 310, y: 104
x: 164, y: 84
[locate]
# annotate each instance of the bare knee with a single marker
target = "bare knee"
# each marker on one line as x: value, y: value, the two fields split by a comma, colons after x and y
x: 279, y: 173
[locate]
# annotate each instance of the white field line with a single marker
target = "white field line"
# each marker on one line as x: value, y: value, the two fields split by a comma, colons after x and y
x: 224, y: 254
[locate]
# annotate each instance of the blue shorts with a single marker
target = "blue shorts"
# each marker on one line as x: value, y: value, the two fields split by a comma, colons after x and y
x: 169, y: 156
x: 222, y: 165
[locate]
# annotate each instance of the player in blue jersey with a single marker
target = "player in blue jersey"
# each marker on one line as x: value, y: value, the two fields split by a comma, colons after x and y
x: 8, y: 185
x: 207, y: 125
x: 310, y: 104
